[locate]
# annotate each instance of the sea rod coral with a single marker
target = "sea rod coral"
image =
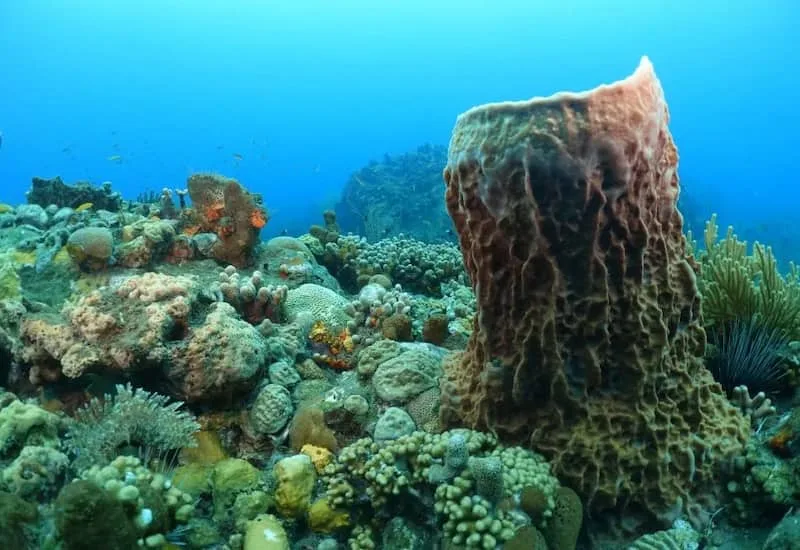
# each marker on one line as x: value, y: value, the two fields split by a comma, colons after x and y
x: 588, y: 339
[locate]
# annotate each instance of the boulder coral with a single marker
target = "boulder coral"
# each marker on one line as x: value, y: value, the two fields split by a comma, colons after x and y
x: 588, y: 339
x: 91, y: 247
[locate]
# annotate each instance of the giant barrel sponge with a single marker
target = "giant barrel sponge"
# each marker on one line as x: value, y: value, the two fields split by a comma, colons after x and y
x: 588, y: 342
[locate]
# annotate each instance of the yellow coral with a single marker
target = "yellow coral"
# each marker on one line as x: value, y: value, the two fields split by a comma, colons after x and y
x: 265, y: 533
x: 21, y: 257
x: 62, y: 257
x: 320, y: 456
x: 323, y: 518
x: 295, y: 477
x: 208, y: 450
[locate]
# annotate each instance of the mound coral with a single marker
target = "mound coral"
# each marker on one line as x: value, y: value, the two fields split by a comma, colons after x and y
x: 588, y: 340
x: 91, y: 247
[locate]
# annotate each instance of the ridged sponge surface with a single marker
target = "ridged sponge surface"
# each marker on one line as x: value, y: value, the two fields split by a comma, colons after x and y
x: 588, y: 341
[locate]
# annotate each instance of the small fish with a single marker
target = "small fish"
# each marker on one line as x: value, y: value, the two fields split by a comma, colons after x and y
x: 115, y: 158
x: 83, y: 207
x: 285, y: 232
x: 237, y: 157
x: 1, y: 140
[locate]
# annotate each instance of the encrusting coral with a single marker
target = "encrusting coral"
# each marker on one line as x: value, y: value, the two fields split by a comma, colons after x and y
x: 588, y: 341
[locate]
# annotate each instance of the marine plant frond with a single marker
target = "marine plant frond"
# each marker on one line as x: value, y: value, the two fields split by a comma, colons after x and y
x: 736, y: 285
x: 133, y: 417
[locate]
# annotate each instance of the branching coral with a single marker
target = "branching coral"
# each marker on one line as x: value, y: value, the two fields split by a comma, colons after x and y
x: 473, y: 482
x: 251, y: 297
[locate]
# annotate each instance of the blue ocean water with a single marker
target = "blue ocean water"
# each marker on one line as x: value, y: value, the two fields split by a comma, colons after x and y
x: 292, y: 97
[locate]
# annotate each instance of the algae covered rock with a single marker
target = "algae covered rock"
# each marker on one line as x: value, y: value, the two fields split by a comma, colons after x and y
x: 24, y: 424
x: 225, y: 354
x: 230, y: 478
x: 323, y: 517
x: 89, y: 517
x: 36, y: 472
x: 785, y: 535
x: 10, y: 285
x: 15, y: 514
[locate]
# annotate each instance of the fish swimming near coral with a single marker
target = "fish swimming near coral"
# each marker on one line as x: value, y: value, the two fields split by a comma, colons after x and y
x: 83, y: 207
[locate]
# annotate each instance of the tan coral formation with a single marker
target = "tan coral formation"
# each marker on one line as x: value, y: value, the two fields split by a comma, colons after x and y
x: 222, y: 206
x: 588, y: 341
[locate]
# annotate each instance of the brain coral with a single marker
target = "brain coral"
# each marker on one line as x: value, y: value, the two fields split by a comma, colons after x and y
x: 588, y: 341
x: 321, y: 303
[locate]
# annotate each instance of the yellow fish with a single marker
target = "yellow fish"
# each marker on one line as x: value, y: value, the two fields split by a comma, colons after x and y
x: 115, y: 158
x: 5, y: 208
x: 83, y: 207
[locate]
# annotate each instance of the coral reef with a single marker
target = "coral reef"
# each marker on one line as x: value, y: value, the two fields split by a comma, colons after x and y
x: 375, y: 202
x: 167, y: 380
x: 254, y: 299
x: 44, y: 192
x: 588, y: 341
x: 91, y: 247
